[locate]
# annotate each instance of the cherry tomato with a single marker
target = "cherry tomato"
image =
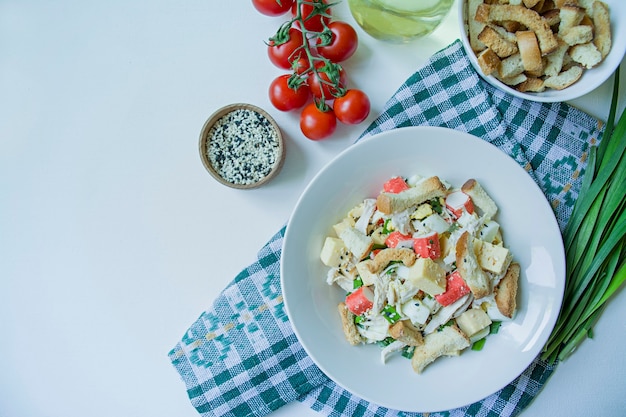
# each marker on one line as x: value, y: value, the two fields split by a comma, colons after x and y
x: 316, y: 124
x: 284, y: 54
x: 353, y: 107
x: 311, y: 23
x: 300, y: 66
x: 271, y: 7
x: 324, y: 73
x: 343, y: 42
x: 285, y: 98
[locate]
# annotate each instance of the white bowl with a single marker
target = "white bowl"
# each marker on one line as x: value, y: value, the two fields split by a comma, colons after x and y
x: 530, y: 230
x: 591, y: 78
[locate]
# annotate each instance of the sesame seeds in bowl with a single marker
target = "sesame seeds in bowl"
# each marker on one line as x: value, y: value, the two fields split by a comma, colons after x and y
x: 241, y: 146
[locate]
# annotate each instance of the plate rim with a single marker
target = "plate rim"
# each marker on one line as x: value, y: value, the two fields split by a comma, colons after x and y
x: 559, y: 268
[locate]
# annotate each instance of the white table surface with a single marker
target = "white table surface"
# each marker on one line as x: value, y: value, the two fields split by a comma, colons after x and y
x: 113, y: 237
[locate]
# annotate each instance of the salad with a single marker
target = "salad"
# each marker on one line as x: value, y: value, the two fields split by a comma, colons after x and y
x: 425, y: 269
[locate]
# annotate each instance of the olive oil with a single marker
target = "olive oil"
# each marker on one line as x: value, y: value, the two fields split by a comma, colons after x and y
x: 399, y: 20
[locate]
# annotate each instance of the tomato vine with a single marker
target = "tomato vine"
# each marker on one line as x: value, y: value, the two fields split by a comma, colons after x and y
x: 311, y: 44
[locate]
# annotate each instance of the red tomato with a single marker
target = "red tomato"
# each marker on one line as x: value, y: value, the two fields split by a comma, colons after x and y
x: 284, y: 54
x: 394, y: 185
x: 285, y: 98
x: 301, y: 65
x: 330, y: 74
x: 312, y: 22
x: 343, y: 42
x: 272, y: 7
x: 316, y: 124
x: 353, y: 107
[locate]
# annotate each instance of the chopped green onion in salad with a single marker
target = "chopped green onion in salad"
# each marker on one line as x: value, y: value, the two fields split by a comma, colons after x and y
x: 423, y: 265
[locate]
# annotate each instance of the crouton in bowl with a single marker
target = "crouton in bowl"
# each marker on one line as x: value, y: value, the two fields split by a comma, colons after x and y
x: 544, y: 50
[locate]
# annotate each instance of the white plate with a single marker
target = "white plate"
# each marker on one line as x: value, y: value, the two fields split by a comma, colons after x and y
x: 530, y: 230
x: 591, y: 78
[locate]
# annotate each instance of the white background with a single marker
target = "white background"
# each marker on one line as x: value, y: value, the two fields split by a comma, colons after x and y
x: 113, y: 237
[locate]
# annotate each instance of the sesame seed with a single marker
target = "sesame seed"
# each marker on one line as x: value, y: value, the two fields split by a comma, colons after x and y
x: 243, y: 147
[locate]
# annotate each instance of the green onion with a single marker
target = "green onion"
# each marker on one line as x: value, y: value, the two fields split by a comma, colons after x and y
x: 358, y: 283
x: 479, y: 344
x: 594, y: 240
x: 408, y: 351
x: 391, y: 314
x: 494, y: 327
x: 386, y: 229
x: 386, y: 341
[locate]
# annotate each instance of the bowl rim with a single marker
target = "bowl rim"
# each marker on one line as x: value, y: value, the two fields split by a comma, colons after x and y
x: 204, y: 140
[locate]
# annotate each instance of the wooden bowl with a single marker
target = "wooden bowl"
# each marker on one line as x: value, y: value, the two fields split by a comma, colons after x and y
x: 241, y: 146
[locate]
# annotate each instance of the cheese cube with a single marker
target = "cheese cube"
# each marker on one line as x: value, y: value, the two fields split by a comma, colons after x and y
x: 473, y: 321
x: 428, y: 276
x: 364, y: 272
x: 492, y: 258
x: 334, y: 252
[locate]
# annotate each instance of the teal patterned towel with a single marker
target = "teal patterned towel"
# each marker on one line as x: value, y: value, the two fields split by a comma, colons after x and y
x: 241, y: 357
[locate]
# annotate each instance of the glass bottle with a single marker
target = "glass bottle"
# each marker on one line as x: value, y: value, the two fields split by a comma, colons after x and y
x: 399, y: 20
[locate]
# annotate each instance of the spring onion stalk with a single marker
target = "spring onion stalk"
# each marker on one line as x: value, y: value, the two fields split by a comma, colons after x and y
x: 594, y: 240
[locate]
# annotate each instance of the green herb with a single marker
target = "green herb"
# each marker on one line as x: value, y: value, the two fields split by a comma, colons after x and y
x: 359, y: 319
x: 386, y: 341
x: 391, y: 314
x: 479, y: 344
x: 453, y: 227
x: 594, y: 240
x: 436, y: 205
x: 357, y: 283
x: 494, y: 327
x: 386, y: 227
x: 407, y: 351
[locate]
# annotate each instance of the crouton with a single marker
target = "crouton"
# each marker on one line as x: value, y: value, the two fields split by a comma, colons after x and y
x: 565, y: 78
x: 405, y: 332
x: 497, y: 43
x: 602, y: 24
x: 423, y: 191
x: 446, y: 342
x: 529, y: 18
x: 382, y: 258
x: 506, y: 291
x: 349, y: 327
x: 488, y: 61
x: 480, y: 198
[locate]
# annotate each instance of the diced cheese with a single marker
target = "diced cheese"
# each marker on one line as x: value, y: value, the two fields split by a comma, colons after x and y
x: 364, y: 272
x: 489, y: 231
x: 334, y: 252
x: 492, y: 258
x: 473, y: 321
x: 428, y: 276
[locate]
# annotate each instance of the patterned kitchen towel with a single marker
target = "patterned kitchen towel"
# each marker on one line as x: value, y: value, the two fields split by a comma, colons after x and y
x: 241, y: 357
